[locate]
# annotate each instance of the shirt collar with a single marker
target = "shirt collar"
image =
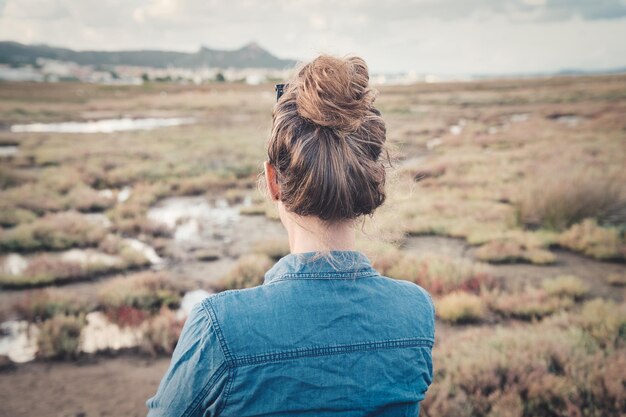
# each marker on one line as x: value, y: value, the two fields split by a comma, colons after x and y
x: 306, y: 265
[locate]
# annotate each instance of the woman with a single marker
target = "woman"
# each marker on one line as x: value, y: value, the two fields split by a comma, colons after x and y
x: 325, y: 335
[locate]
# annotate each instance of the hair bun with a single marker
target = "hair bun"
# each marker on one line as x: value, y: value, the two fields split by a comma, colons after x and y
x: 334, y: 92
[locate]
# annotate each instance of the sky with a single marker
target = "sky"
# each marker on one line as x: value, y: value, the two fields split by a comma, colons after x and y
x: 454, y: 37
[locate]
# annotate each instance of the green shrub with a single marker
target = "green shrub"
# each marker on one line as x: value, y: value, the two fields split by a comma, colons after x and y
x: 52, y: 232
x: 33, y: 197
x: 147, y: 292
x: 83, y: 198
x: 59, y: 337
x: 73, y: 265
x: 40, y: 305
x: 161, y: 333
x: 11, y: 216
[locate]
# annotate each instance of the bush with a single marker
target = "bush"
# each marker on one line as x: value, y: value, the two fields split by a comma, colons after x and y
x: 604, y: 321
x: 52, y: 232
x: 545, y: 369
x: 460, y: 307
x: 10, y: 216
x: 210, y: 181
x: 249, y: 271
x: 59, y: 337
x: 530, y: 304
x: 161, y: 333
x: 561, y: 198
x: 41, y: 305
x: 508, y: 251
x: 566, y: 286
x: 617, y: 279
x: 593, y: 240
x: 33, y: 197
x: 72, y: 265
x: 442, y: 275
x: 147, y: 292
x: 83, y: 198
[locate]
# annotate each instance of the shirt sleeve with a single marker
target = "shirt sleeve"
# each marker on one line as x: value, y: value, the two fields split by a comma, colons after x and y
x: 195, y: 380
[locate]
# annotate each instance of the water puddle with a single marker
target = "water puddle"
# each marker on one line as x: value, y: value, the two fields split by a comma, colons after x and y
x: 569, y: 120
x: 102, y: 126
x: 433, y: 143
x: 100, y: 334
x: 14, y: 264
x: 146, y: 250
x: 195, y: 220
x: 457, y: 129
x: 519, y: 117
x: 8, y: 151
x: 18, y: 340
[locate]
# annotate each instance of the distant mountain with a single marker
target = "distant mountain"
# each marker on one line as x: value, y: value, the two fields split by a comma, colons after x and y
x: 249, y: 56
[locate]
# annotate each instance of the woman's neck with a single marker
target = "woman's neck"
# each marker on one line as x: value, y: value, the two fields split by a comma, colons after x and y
x: 310, y: 234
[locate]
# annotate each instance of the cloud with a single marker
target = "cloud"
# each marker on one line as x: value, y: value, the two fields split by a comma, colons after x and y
x: 453, y: 36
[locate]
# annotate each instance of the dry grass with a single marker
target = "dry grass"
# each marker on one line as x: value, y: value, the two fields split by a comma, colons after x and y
x: 274, y: 248
x: 547, y: 369
x: 593, y: 240
x: 529, y: 304
x: 460, y: 307
x: 438, y: 274
x: 617, y: 279
x: 41, y: 305
x: 249, y: 271
x: 566, y: 286
x: 563, y: 196
x: 52, y: 232
x: 59, y: 337
x: 127, y: 300
x: 160, y: 333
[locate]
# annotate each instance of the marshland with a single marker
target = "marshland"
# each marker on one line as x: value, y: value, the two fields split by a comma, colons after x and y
x: 122, y: 206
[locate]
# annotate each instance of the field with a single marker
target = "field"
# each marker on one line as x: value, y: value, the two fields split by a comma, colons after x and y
x: 506, y: 200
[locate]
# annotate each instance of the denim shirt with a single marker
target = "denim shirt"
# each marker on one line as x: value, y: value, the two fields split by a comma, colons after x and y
x: 318, y: 338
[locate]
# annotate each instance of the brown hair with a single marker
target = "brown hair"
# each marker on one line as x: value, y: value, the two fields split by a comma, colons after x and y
x: 327, y: 141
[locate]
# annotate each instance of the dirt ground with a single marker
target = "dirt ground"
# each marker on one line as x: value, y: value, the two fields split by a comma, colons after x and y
x: 100, y: 387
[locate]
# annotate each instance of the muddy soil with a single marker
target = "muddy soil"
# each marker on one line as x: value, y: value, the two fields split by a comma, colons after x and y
x: 104, y: 386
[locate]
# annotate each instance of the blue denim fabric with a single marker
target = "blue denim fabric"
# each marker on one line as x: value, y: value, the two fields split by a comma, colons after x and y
x: 318, y: 338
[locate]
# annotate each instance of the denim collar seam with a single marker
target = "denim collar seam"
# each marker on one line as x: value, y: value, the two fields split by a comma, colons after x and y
x: 322, y: 275
x: 332, y: 350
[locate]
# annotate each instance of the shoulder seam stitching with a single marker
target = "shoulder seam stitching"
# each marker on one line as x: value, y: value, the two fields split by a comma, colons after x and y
x: 331, y: 350
x: 208, y: 307
x: 205, y: 390
x: 231, y: 376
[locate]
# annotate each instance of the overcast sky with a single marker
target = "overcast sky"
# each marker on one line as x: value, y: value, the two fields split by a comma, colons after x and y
x: 426, y: 36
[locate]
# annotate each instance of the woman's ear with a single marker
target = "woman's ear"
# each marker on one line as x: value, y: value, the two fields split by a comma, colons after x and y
x: 271, y: 180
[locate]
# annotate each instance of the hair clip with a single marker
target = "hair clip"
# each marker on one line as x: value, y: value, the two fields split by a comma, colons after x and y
x: 280, y: 89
